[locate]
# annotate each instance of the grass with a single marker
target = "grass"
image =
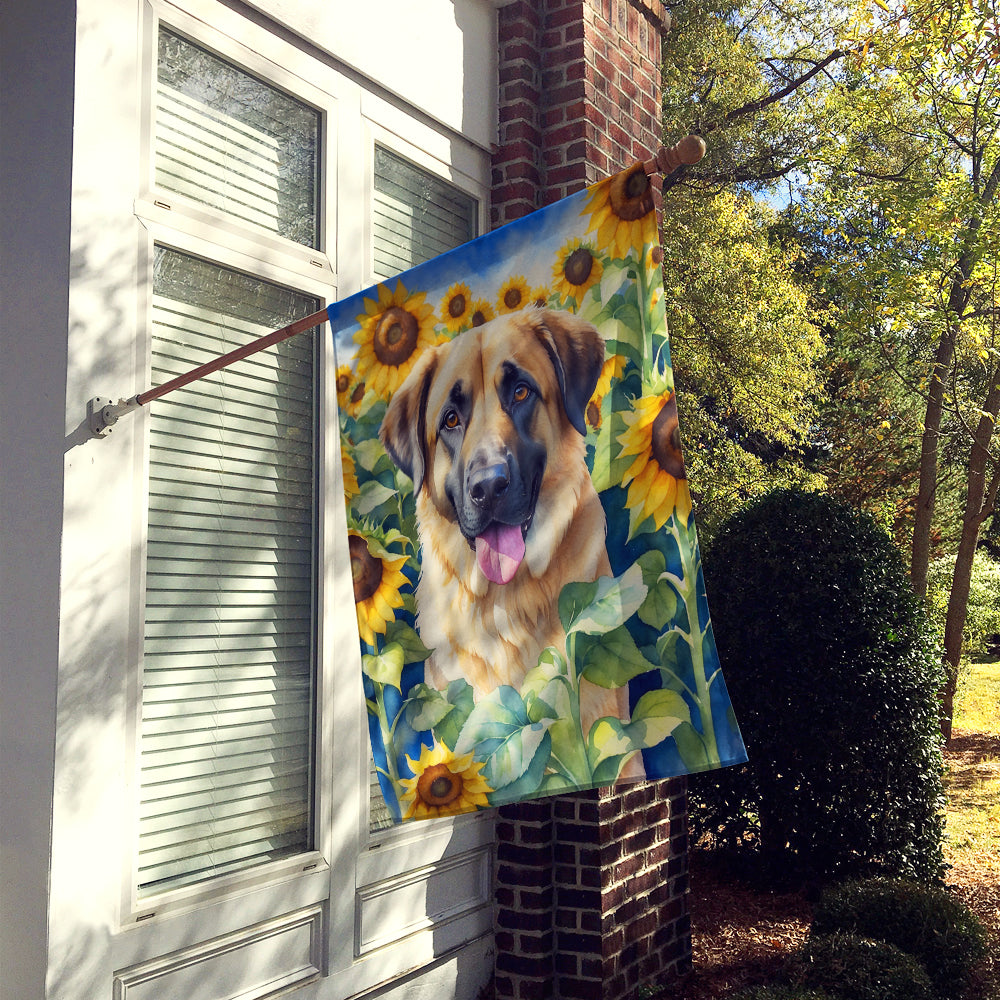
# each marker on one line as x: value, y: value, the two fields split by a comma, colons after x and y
x: 973, y: 784
x: 978, y: 698
x: 972, y: 848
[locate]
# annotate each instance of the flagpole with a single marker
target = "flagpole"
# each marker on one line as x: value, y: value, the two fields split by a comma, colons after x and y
x: 103, y: 413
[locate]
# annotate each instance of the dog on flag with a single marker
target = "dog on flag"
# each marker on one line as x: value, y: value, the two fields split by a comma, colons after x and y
x: 491, y: 429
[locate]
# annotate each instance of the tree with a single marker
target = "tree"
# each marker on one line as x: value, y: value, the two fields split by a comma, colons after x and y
x: 747, y: 352
x: 913, y: 183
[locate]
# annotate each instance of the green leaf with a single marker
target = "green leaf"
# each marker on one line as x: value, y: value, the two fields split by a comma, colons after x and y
x: 656, y: 715
x: 368, y: 453
x: 660, y: 605
x: 608, y: 738
x: 610, y: 465
x: 406, y: 636
x: 426, y: 707
x: 459, y: 694
x: 610, y: 660
x: 666, y: 647
x: 372, y: 496
x: 691, y: 747
x: 385, y: 667
x: 528, y: 783
x: 499, y: 733
x: 598, y: 607
x: 551, y: 664
x: 442, y: 712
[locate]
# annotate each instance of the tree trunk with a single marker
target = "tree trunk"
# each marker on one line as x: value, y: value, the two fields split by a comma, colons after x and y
x: 958, y: 300
x: 979, y: 500
x: 920, y: 553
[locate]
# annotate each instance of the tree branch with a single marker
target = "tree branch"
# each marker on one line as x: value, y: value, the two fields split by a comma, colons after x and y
x: 753, y: 107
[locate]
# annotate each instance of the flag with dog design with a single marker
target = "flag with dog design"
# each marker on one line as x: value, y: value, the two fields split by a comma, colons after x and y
x: 527, y: 578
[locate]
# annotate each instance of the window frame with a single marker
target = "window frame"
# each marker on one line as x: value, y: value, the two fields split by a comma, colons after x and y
x: 349, y: 864
x: 180, y: 224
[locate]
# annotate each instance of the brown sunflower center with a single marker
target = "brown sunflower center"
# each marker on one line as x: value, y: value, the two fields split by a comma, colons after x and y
x: 343, y: 382
x: 666, y: 445
x: 366, y: 569
x: 594, y: 414
x: 456, y: 306
x: 478, y: 318
x: 578, y: 266
x: 359, y: 393
x: 631, y: 196
x: 438, y: 786
x: 395, y: 336
x: 512, y: 298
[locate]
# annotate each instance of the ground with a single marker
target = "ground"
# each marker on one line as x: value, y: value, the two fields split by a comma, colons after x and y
x: 741, y: 935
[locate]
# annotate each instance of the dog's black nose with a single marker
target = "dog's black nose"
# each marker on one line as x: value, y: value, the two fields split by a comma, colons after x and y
x: 488, y: 485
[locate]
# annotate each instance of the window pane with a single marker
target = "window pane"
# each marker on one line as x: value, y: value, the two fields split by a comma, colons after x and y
x: 231, y: 141
x: 417, y: 216
x: 228, y: 660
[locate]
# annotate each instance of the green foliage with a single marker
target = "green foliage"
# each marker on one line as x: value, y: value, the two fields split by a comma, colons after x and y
x: 857, y: 968
x: 746, y: 353
x: 833, y: 674
x: 782, y: 992
x: 983, y: 612
x: 926, y: 922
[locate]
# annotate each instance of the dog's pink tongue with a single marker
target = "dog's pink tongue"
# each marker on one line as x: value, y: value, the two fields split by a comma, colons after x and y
x: 500, y: 549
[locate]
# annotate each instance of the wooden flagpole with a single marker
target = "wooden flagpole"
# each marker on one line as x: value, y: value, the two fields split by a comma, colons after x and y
x: 102, y: 413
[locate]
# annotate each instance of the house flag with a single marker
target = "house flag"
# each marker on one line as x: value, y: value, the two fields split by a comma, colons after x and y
x: 527, y: 577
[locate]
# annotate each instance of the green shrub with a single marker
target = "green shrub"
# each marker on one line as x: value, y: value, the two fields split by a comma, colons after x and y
x: 833, y: 673
x: 782, y: 993
x: 982, y: 619
x: 925, y: 922
x: 856, y: 968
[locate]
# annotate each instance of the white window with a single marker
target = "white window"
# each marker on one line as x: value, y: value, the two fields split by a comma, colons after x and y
x: 275, y: 184
x: 415, y: 217
x: 229, y: 648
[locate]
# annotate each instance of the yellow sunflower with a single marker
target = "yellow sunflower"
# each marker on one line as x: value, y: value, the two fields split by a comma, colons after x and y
x: 621, y: 211
x: 456, y: 307
x: 656, y: 480
x: 355, y: 399
x: 378, y: 575
x: 576, y: 269
x: 345, y: 380
x: 514, y: 294
x: 611, y: 369
x: 351, y: 486
x: 442, y: 784
x: 482, y: 312
x: 394, y: 330
x: 539, y: 296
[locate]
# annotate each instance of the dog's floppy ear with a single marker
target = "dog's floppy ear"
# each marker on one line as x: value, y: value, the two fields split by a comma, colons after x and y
x: 576, y: 350
x: 404, y: 426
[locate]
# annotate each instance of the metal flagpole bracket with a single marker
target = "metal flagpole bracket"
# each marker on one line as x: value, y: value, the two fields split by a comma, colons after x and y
x: 103, y: 413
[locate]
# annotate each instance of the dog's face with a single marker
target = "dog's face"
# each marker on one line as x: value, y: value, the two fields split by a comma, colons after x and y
x: 481, y: 424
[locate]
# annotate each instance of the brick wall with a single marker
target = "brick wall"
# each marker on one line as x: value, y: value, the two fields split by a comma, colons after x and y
x: 591, y: 889
x: 579, y: 96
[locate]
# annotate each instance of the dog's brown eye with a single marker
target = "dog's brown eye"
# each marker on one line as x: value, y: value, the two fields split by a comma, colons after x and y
x: 521, y: 392
x: 451, y: 420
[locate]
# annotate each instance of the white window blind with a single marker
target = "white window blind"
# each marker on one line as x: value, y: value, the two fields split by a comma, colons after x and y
x: 416, y: 217
x: 228, y: 140
x: 228, y: 662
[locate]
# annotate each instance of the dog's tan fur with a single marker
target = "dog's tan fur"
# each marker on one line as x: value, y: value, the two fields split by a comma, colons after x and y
x: 486, y: 632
